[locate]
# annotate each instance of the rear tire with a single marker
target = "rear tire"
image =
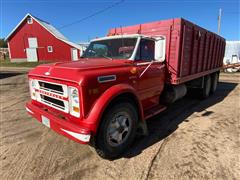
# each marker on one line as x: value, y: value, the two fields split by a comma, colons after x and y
x: 117, y: 130
x: 214, y: 83
x: 205, y: 91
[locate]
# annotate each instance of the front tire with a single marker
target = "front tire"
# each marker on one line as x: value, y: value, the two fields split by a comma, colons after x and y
x: 117, y: 130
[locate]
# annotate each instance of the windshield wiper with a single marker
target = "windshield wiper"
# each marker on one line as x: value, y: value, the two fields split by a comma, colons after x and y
x: 106, y: 57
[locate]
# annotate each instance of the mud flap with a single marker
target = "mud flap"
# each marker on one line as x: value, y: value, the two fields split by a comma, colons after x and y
x: 142, y: 129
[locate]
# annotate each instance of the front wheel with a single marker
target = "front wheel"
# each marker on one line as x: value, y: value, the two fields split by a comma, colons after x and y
x: 117, y: 130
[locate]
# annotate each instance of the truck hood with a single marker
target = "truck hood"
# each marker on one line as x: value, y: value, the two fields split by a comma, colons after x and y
x: 75, y: 71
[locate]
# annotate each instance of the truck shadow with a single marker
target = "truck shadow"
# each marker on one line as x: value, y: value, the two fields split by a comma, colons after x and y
x: 164, y: 124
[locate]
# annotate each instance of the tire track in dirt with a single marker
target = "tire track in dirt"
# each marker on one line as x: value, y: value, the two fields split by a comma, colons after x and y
x: 172, y: 120
x: 209, y: 142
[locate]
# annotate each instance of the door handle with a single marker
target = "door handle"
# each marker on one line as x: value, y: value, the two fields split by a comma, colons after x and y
x: 160, y: 67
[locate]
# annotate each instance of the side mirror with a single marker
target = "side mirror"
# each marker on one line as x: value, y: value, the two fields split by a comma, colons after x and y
x: 160, y: 49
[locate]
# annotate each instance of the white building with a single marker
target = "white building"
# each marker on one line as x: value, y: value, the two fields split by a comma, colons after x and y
x: 232, y: 54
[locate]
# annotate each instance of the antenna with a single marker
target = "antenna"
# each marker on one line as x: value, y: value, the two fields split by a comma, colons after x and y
x: 122, y: 36
x: 219, y: 20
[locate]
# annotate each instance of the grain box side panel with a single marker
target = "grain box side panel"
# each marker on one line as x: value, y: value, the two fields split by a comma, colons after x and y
x: 191, y: 51
x: 219, y: 53
x: 200, y: 51
x: 211, y: 56
x: 207, y: 51
x: 204, y: 50
x: 186, y: 51
x: 216, y: 53
x: 194, y: 59
x: 220, y: 61
x: 222, y: 53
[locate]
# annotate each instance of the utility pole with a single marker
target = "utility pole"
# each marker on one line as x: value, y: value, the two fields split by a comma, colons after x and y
x: 219, y: 20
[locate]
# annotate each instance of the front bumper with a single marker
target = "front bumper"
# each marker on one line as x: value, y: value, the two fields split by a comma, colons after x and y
x: 65, y: 128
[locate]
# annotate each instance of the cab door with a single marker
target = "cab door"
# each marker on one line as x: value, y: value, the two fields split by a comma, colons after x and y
x: 151, y: 74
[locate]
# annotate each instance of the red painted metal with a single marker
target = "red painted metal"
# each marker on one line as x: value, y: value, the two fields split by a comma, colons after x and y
x: 187, y: 50
x: 18, y: 42
x: 191, y: 52
x: 57, y: 123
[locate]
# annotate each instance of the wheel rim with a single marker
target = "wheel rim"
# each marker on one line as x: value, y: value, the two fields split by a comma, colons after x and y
x: 119, y: 129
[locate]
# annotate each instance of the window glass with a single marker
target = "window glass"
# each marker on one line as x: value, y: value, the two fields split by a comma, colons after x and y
x: 146, y: 50
x: 121, y: 48
x: 99, y: 49
x: 29, y: 20
x: 50, y: 49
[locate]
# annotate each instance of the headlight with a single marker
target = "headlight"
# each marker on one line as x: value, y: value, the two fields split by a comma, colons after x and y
x: 32, y: 86
x: 74, y: 105
x: 75, y: 96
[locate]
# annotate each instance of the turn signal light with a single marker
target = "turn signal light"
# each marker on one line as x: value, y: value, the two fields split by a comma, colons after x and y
x: 76, y: 109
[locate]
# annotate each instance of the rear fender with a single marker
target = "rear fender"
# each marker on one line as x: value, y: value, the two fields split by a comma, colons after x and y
x: 105, y: 99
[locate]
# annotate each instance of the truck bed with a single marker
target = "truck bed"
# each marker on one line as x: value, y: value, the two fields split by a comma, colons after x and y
x: 191, y: 51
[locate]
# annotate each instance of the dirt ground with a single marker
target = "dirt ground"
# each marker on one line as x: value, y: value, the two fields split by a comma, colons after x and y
x: 193, y: 139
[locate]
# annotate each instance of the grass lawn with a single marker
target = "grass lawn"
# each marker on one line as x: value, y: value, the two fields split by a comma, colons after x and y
x: 7, y: 63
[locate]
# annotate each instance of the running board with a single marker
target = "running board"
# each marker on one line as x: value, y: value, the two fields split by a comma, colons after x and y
x: 154, y: 111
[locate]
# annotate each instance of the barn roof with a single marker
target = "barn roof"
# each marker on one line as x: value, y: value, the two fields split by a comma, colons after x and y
x: 50, y: 28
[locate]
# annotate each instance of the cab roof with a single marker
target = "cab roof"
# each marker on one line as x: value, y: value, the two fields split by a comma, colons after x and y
x: 122, y: 36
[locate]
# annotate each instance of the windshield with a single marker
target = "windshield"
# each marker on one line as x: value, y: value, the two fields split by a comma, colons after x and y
x: 111, y: 48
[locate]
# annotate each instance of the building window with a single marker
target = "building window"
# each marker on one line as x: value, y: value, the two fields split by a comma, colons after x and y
x: 50, y: 49
x: 29, y: 20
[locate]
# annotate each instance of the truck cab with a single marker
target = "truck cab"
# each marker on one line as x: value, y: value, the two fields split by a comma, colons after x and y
x: 144, y: 54
x: 105, y: 96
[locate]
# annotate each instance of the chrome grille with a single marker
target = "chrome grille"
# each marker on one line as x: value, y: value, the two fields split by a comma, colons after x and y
x: 52, y: 94
x: 51, y: 87
x: 54, y: 102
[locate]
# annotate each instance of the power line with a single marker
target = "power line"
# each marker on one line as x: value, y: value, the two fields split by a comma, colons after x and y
x: 93, y: 14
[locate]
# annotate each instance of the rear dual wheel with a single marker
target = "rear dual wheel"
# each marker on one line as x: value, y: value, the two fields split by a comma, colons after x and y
x: 210, y: 85
x: 205, y: 91
x: 214, y: 79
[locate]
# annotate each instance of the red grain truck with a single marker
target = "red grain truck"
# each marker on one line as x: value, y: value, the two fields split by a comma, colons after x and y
x: 123, y: 79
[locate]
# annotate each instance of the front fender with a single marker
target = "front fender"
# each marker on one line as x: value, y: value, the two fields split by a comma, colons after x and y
x: 104, y: 100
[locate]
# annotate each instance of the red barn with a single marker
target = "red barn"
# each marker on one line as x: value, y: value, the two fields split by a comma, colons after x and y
x: 36, y: 40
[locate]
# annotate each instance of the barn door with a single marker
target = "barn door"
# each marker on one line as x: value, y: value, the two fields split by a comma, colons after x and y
x: 74, y: 54
x: 32, y: 55
x: 32, y: 42
x: 32, y: 50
